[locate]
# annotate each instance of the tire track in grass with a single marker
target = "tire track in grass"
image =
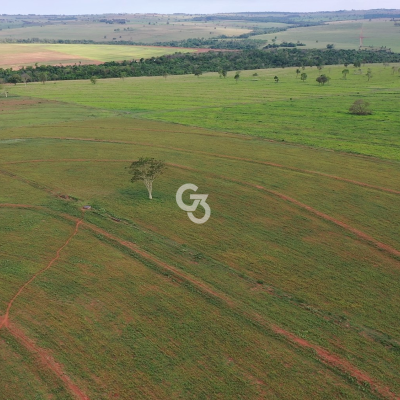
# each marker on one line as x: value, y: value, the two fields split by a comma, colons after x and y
x: 360, y: 234
x: 340, y: 363
x: 49, y: 265
x: 34, y: 184
x: 247, y: 160
x: 326, y: 357
x: 43, y: 356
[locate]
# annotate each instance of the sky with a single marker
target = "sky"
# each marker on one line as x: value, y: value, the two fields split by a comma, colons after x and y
x: 184, y: 6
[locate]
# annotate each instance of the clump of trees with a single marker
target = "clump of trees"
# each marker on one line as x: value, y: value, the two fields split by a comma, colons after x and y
x: 15, y: 78
x: 147, y: 169
x: 283, y: 44
x: 222, y: 73
x: 322, y: 79
x: 360, y: 107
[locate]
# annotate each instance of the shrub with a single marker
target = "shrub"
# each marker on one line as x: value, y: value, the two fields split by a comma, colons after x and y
x: 360, y: 107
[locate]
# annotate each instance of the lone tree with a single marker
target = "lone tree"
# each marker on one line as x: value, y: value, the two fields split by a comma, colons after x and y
x: 323, y: 79
x: 93, y: 79
x: 276, y: 79
x: 43, y: 77
x: 345, y: 72
x: 303, y: 76
x: 237, y: 76
x: 360, y: 107
x: 297, y: 72
x: 369, y: 74
x: 25, y: 78
x: 146, y: 169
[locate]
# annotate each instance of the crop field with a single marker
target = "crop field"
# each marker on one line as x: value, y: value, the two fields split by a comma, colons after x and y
x: 16, y: 55
x: 343, y: 34
x: 147, y: 31
x: 289, y: 291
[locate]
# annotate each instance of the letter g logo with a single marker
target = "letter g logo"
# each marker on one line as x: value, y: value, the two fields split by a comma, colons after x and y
x: 198, y: 199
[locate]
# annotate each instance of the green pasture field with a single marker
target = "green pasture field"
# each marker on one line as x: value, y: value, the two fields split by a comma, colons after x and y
x: 290, y: 290
x: 343, y: 34
x: 291, y: 110
x: 17, y: 55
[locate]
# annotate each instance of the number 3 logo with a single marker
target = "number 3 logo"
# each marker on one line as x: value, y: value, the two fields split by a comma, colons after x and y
x: 198, y: 199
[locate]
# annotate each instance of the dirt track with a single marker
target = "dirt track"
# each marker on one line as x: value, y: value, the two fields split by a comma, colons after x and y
x: 325, y: 356
x: 361, y: 235
x: 49, y: 265
x: 43, y: 356
x: 266, y: 163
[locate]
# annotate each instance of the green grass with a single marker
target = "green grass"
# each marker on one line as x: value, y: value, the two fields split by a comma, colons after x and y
x: 343, y: 34
x: 42, y: 112
x: 123, y: 324
x: 291, y: 111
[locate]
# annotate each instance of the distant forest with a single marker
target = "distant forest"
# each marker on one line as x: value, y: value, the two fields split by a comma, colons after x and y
x: 197, y: 63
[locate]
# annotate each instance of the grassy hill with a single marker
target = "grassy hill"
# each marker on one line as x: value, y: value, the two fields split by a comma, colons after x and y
x: 290, y: 290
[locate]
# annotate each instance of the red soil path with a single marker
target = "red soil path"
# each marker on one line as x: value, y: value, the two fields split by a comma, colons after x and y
x: 342, y: 364
x: 324, y: 355
x: 382, y: 246
x: 43, y: 355
x: 269, y: 164
x: 360, y: 234
x: 47, y: 359
x: 49, y: 265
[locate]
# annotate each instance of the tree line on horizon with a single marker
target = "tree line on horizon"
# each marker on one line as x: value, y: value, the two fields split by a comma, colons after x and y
x: 197, y: 63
